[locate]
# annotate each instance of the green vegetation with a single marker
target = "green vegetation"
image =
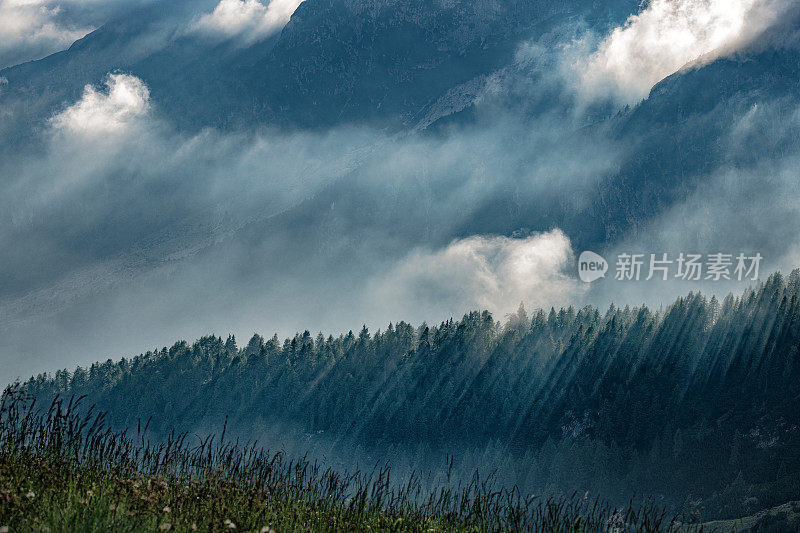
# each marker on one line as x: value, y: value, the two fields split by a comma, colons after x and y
x: 65, y: 471
x: 697, y: 405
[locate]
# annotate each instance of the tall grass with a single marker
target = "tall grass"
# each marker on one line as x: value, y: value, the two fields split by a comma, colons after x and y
x: 62, y: 468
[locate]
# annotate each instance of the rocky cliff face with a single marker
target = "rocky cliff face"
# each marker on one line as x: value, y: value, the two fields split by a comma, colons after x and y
x: 336, y: 61
x: 387, y: 60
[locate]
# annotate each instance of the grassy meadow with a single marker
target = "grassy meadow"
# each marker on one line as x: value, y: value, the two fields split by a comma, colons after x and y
x: 63, y: 469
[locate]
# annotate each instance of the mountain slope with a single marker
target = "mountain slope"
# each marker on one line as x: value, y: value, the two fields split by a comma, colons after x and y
x: 699, y: 401
x: 335, y: 61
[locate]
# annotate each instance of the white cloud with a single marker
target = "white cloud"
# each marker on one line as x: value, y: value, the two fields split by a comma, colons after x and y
x: 101, y: 112
x: 480, y: 272
x: 30, y: 29
x: 248, y: 20
x: 665, y: 36
x: 113, y: 138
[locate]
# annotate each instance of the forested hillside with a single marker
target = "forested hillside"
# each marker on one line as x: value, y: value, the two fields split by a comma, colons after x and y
x: 697, y: 404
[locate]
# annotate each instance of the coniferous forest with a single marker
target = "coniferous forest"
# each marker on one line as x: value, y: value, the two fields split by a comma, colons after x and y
x: 696, y: 405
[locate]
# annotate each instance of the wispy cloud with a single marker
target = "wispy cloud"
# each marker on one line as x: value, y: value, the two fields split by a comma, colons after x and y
x: 749, y: 205
x: 120, y: 222
x: 246, y: 20
x: 663, y: 37
x: 479, y: 272
x: 124, y: 99
x: 30, y: 29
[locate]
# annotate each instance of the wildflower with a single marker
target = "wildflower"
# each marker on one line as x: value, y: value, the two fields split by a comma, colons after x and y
x: 267, y: 529
x: 30, y: 495
x: 167, y: 509
x: 229, y: 524
x: 89, y: 492
x: 166, y: 526
x: 112, y: 507
x: 83, y: 502
x: 193, y: 527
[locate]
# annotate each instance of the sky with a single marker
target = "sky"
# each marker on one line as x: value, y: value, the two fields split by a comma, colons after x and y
x: 126, y: 234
